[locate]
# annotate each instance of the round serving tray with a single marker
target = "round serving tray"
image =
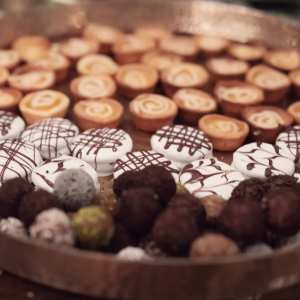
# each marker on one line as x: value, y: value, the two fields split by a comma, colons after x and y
x: 102, y: 275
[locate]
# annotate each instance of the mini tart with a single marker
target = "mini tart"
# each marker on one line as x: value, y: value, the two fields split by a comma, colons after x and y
x: 186, y: 47
x: 226, y: 69
x: 234, y: 95
x: 294, y: 110
x: 44, y: 104
x: 225, y: 133
x: 135, y: 79
x: 55, y: 62
x: 294, y: 77
x: 130, y: 48
x: 154, y: 31
x: 151, y: 112
x: 105, y: 35
x: 4, y: 74
x: 160, y: 60
x: 29, y: 78
x: 284, y: 60
x: 75, y: 48
x: 9, y: 59
x: 93, y: 87
x: 250, y: 53
x: 194, y: 104
x: 266, y: 122
x: 10, y: 99
x: 275, y: 84
x: 212, y: 46
x: 31, y: 47
x: 96, y: 64
x: 183, y: 75
x: 98, y: 113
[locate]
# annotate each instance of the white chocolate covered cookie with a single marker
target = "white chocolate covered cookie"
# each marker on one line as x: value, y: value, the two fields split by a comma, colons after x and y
x: 11, y: 125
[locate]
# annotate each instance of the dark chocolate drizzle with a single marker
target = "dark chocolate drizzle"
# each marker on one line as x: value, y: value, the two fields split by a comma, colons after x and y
x: 6, y: 119
x: 188, y: 137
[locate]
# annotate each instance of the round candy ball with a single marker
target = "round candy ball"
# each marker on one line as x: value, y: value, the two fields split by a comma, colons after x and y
x: 14, y: 227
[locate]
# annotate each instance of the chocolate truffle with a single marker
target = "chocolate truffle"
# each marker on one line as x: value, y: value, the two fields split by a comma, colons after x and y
x: 93, y: 227
x: 213, y: 245
x: 124, y: 182
x: 279, y: 181
x: 34, y: 203
x: 150, y: 247
x: 132, y: 253
x: 139, y: 208
x: 243, y: 221
x: 11, y: 193
x: 14, y: 227
x: 110, y: 202
x: 52, y: 226
x: 214, y: 205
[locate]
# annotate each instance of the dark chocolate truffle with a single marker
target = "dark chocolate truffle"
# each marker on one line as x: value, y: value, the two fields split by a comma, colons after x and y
x: 11, y: 193
x: 34, y: 203
x: 124, y: 182
x: 279, y: 181
x: 139, y: 208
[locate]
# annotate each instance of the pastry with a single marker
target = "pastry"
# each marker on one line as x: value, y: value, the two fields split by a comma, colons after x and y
x: 105, y: 35
x: 135, y: 79
x: 160, y: 60
x: 294, y: 110
x: 207, y: 177
x: 11, y: 125
x: 294, y: 77
x: 130, y: 48
x: 44, y: 104
x: 212, y: 45
x: 45, y: 174
x: 136, y: 161
x: 10, y: 99
x: 289, y: 141
x: 101, y: 148
x: 55, y: 62
x: 226, y: 69
x: 275, y: 84
x: 284, y: 60
x: 153, y: 31
x: 92, y: 87
x: 96, y: 64
x: 29, y: 78
x: 183, y: 75
x: 150, y: 112
x: 181, y: 144
x: 17, y: 159
x: 225, y: 133
x: 4, y: 74
x: 31, y: 47
x: 186, y: 47
x: 262, y: 160
x: 9, y: 59
x: 234, y: 95
x: 266, y: 122
x: 98, y: 113
x: 51, y: 136
x: 246, y: 52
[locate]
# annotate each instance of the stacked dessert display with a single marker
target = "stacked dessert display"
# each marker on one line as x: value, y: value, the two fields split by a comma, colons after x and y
x: 191, y: 96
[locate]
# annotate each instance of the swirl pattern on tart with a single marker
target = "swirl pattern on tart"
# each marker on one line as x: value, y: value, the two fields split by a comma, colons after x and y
x: 246, y: 52
x: 227, y: 66
x: 9, y: 58
x: 285, y: 60
x: 52, y: 61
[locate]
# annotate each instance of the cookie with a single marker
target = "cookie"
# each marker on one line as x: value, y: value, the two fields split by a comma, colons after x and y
x: 9, y: 58
x: 284, y: 60
x: 11, y: 125
x: 212, y: 45
x: 246, y: 52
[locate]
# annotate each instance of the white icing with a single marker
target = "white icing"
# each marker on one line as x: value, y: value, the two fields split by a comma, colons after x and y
x: 255, y: 159
x: 8, y: 58
x: 11, y: 125
x: 228, y: 66
x: 44, y: 175
x: 184, y: 75
x: 132, y: 254
x: 33, y: 79
x: 237, y: 94
x: 297, y: 175
x: 92, y: 87
x: 266, y: 119
x: 210, y: 177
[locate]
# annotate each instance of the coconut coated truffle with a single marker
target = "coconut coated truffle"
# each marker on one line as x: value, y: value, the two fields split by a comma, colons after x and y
x: 132, y: 253
x: 14, y: 227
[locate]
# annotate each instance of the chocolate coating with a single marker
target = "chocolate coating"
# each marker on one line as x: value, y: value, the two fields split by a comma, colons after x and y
x: 277, y: 182
x: 123, y: 182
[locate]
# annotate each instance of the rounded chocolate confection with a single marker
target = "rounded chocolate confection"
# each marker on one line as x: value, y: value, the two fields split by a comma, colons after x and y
x: 150, y: 247
x: 13, y: 227
x: 124, y: 182
x: 277, y: 182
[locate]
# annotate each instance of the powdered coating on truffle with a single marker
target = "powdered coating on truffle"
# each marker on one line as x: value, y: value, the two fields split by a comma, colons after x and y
x: 14, y: 227
x: 124, y: 182
x: 132, y: 253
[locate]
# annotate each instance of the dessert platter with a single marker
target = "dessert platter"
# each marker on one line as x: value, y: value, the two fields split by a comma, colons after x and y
x: 150, y: 150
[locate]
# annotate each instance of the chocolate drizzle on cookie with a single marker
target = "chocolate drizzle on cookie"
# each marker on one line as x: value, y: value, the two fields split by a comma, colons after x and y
x: 6, y: 119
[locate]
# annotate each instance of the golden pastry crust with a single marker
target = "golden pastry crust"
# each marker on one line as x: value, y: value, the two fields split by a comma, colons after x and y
x: 246, y: 52
x: 284, y: 60
x: 92, y: 87
x: 135, y: 79
x: 151, y: 112
x: 153, y: 31
x: 98, y: 113
x: 275, y: 84
x: 44, y: 104
x: 294, y: 77
x: 194, y: 104
x: 183, y: 75
x: 225, y: 133
x: 234, y: 95
x: 266, y: 122
x: 212, y: 46
x: 294, y: 110
x: 10, y: 99
x: 9, y: 59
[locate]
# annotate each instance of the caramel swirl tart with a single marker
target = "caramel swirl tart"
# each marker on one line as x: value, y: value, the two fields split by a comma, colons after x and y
x: 294, y: 77
x: 98, y: 113
x: 153, y: 31
x: 9, y: 59
x: 151, y: 112
x: 183, y: 75
x: 10, y: 99
x: 211, y: 46
x: 284, y: 60
x: 105, y: 35
x: 194, y: 104
x: 85, y: 87
x: 135, y: 79
x: 130, y: 48
x: 234, y: 95
x: 225, y: 133
x: 96, y: 64
x: 44, y: 104
x: 294, y: 110
x: 266, y: 122
x: 246, y: 52
x: 275, y: 84
x: 226, y: 69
